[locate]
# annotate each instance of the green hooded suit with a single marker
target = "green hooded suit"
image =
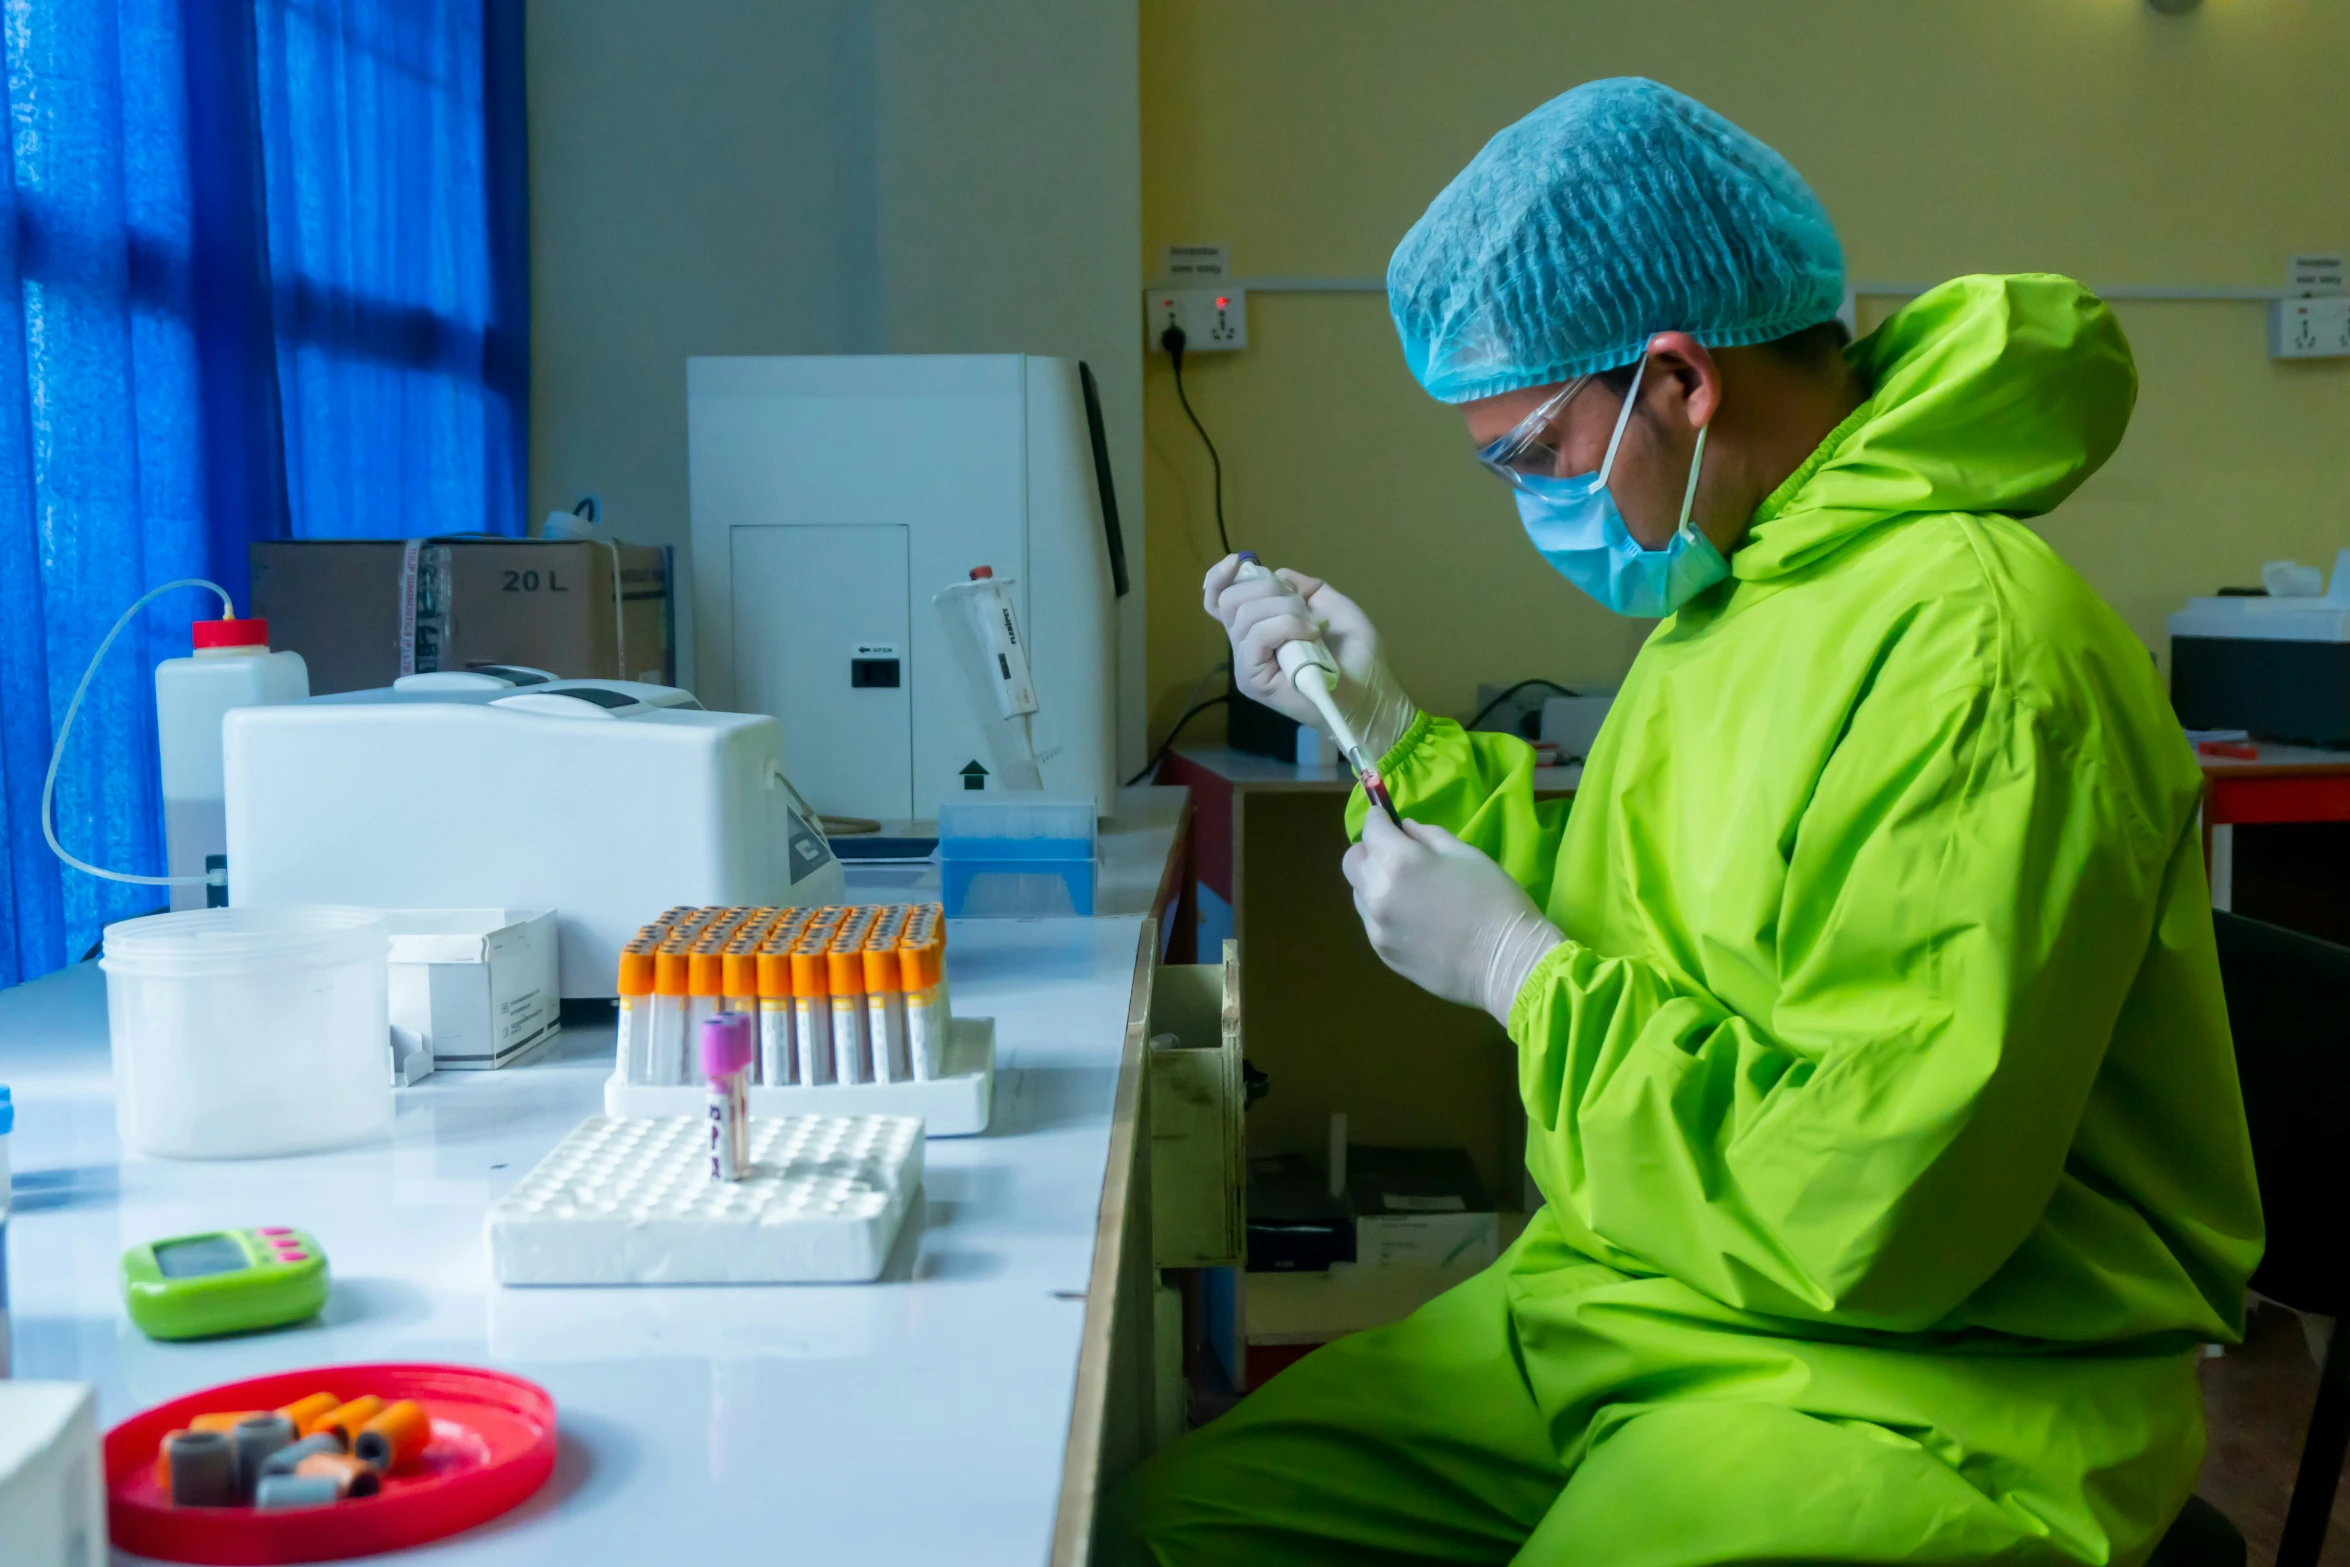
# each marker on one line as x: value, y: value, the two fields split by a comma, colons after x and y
x: 1881, y: 1095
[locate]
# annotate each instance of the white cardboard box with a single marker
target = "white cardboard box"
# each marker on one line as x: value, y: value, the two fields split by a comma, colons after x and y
x: 474, y: 987
x: 52, y: 1486
x: 1431, y: 1239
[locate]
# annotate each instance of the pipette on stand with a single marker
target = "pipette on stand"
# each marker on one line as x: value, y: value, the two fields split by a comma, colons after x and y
x: 1314, y: 672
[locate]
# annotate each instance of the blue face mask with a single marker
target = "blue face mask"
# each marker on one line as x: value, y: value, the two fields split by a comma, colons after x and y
x: 1574, y: 522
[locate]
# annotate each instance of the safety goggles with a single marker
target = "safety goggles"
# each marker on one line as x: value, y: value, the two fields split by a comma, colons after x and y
x: 1527, y: 452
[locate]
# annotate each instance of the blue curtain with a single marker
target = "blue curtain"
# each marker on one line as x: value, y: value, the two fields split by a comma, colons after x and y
x: 262, y: 275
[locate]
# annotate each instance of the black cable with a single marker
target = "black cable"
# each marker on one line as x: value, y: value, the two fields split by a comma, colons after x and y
x: 1172, y: 340
x: 1168, y: 744
x: 1513, y: 691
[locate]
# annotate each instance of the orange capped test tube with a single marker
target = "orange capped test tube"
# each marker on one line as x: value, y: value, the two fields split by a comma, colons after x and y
x: 705, y: 991
x: 845, y: 973
x: 922, y: 978
x: 778, y: 1064
x: 885, y: 999
x: 635, y: 1048
x: 811, y: 1008
x: 670, y: 1000
x: 738, y: 985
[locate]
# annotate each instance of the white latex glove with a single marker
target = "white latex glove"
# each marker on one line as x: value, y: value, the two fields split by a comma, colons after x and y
x: 1444, y: 916
x: 1289, y: 606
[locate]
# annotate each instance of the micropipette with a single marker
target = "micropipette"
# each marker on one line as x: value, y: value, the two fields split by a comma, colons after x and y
x: 1314, y: 672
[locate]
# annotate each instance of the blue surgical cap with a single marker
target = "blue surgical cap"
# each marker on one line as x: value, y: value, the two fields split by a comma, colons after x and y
x: 1612, y: 213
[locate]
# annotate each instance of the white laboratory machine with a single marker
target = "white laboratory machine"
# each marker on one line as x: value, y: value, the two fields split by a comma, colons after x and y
x: 2275, y: 664
x: 605, y: 800
x: 834, y: 498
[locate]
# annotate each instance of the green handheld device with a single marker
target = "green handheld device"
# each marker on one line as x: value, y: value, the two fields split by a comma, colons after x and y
x: 230, y: 1281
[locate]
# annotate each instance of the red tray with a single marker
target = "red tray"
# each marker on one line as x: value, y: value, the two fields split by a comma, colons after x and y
x: 493, y: 1444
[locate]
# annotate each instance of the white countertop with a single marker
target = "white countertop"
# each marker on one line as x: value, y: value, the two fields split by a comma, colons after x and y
x: 919, y: 1419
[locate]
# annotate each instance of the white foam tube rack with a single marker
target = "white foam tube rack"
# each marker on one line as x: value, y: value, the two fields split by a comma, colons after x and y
x: 629, y: 1200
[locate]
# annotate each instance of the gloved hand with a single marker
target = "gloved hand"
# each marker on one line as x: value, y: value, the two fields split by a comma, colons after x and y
x: 1444, y: 916
x: 1288, y: 606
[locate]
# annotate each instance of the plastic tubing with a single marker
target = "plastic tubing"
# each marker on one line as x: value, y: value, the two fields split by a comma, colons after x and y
x: 228, y: 610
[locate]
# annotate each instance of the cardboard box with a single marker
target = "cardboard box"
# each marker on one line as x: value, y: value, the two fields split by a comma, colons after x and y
x: 363, y: 612
x: 475, y: 987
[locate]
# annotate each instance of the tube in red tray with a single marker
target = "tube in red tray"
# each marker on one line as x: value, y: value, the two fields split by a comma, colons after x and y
x: 729, y: 1046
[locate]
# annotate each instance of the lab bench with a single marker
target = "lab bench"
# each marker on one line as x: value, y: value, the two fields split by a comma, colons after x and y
x: 968, y: 1407
x: 2276, y: 836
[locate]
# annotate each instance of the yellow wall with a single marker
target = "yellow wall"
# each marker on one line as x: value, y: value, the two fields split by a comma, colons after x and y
x: 1945, y: 136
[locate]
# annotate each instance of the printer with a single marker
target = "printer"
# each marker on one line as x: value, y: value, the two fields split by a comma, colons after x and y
x: 2276, y: 663
x: 605, y: 800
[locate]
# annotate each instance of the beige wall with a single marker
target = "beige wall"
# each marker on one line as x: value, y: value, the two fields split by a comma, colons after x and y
x: 2086, y: 136
x: 822, y: 176
x: 695, y: 188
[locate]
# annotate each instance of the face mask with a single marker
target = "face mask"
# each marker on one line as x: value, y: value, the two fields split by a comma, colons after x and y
x: 1575, y: 524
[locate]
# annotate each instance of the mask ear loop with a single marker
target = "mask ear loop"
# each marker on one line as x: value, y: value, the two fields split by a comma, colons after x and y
x: 1607, y: 464
x: 1696, y: 466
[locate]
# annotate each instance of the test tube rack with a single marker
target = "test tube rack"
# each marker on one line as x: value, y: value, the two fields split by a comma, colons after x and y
x: 953, y: 1104
x: 852, y: 1008
x: 631, y: 1201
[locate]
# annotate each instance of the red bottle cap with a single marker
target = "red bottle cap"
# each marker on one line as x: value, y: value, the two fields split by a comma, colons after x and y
x: 980, y: 573
x: 232, y: 633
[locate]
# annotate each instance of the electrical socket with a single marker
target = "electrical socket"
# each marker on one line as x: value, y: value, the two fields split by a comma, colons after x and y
x: 1213, y: 319
x: 2310, y: 328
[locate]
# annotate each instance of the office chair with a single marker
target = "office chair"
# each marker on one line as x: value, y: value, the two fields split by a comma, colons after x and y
x: 2289, y: 1009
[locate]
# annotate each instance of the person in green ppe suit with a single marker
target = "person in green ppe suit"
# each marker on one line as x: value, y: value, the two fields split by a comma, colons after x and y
x: 1868, y: 1023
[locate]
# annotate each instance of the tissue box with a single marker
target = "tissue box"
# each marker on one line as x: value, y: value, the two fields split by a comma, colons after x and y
x: 1420, y: 1208
x: 475, y: 987
x: 52, y: 1486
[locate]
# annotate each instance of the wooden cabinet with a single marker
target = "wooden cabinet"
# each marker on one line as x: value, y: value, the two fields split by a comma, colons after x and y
x: 1199, y: 1163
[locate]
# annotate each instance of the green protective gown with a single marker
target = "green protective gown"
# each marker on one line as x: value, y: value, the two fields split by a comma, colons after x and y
x: 1881, y: 1095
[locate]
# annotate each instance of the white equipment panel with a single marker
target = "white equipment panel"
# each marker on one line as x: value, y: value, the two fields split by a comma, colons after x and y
x: 843, y: 589
x: 970, y: 460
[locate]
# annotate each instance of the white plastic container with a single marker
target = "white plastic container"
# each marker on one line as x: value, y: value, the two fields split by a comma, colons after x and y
x: 231, y: 667
x: 243, y: 1033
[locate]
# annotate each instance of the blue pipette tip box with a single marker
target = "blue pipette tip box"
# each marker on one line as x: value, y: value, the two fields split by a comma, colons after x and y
x: 1016, y: 856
